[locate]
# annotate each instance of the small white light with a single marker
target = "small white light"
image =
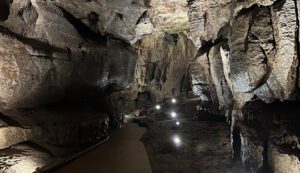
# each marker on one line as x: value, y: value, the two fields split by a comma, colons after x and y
x: 157, y: 107
x: 173, y: 114
x: 173, y: 100
x: 177, y: 123
x: 177, y: 140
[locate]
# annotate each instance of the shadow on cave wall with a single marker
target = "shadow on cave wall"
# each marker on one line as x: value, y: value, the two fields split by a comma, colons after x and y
x: 143, y: 100
x: 274, y: 124
x: 277, y: 115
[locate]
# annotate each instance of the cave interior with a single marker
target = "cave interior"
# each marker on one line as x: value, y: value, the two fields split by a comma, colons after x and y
x: 140, y: 86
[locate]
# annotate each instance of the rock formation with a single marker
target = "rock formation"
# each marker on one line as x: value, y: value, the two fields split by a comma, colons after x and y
x: 129, y: 54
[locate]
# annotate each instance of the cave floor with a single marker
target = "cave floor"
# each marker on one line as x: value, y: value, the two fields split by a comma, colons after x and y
x: 124, y: 152
x: 204, y: 146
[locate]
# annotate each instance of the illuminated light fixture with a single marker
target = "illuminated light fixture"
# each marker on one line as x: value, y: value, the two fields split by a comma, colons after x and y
x: 173, y: 100
x: 157, y: 107
x: 177, y: 140
x: 173, y: 114
x: 177, y: 123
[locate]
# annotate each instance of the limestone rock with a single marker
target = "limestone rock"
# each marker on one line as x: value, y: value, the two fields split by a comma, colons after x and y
x: 161, y: 70
x: 25, y: 159
x: 169, y: 15
x: 247, y: 57
x: 219, y: 81
x: 283, y: 162
x: 14, y: 135
x: 285, y: 63
x: 29, y: 77
x: 206, y: 19
x: 251, y: 151
x: 200, y: 79
x: 261, y: 58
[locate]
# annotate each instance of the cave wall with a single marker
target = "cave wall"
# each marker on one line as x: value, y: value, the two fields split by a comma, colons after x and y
x: 133, y: 53
x: 225, y: 52
x: 162, y: 69
x: 93, y: 48
x: 170, y: 56
x: 245, y: 50
x: 260, y: 46
x: 51, y: 50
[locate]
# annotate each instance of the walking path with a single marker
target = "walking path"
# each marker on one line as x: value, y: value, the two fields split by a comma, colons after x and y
x: 124, y: 152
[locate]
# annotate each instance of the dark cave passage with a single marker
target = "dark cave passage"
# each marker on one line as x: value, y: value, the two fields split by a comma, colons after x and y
x: 213, y: 85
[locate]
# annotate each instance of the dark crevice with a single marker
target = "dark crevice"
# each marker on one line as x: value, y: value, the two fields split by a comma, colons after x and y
x: 271, y: 24
x: 245, y: 11
x: 190, y: 2
x: 143, y: 16
x: 164, y: 75
x: 185, y: 83
x: 121, y: 16
x: 207, y: 45
x: 249, y: 34
x: 35, y: 44
x: 143, y: 100
x: 93, y: 18
x: 151, y: 68
x: 172, y: 38
x: 266, y: 167
x: 296, y: 92
x: 4, y: 10
x: 267, y: 75
x: 201, y: 84
x: 158, y: 73
x: 236, y: 143
x: 152, y: 76
x: 205, y: 19
x: 87, y: 32
x: 278, y: 5
x: 82, y: 29
x: 9, y: 121
x: 173, y: 91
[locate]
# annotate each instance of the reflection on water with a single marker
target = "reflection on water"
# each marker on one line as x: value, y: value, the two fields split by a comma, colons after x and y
x: 176, y: 142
